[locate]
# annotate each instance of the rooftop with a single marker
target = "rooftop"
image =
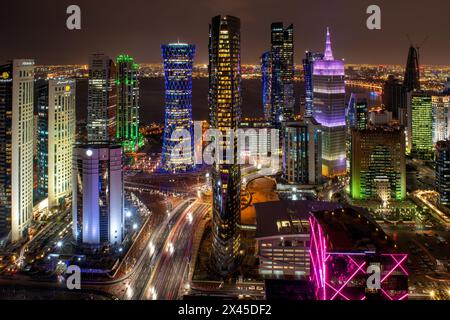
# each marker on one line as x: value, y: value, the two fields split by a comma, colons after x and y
x: 352, y: 229
x: 287, y: 217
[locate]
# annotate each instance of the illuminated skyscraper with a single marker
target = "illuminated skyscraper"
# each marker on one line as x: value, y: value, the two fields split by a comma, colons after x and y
x: 378, y: 167
x: 102, y: 99
x: 41, y: 90
x: 302, y: 152
x: 178, y: 147
x: 441, y: 117
x: 422, y: 126
x: 329, y: 110
x: 308, y: 63
x: 98, y: 198
x: 282, y: 57
x: 443, y: 171
x: 355, y: 118
x: 56, y: 111
x: 266, y: 76
x: 225, y: 107
x: 127, y: 129
x: 412, y: 70
x: 16, y: 148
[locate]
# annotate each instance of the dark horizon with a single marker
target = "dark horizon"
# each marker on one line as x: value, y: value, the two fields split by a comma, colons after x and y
x: 37, y: 29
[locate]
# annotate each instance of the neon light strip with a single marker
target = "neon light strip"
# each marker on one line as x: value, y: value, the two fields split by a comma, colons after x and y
x: 393, y: 269
x: 349, y: 279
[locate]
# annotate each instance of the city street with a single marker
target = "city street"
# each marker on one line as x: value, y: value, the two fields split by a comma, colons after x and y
x: 172, y: 263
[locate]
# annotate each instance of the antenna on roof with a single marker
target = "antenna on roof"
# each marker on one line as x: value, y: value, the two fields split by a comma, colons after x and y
x: 423, y: 42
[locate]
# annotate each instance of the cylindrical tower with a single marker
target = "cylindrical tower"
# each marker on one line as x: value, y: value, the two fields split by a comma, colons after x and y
x: 178, y: 148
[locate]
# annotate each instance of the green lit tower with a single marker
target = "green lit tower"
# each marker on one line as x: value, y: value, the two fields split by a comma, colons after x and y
x: 127, y: 128
x: 422, y: 126
x: 378, y: 165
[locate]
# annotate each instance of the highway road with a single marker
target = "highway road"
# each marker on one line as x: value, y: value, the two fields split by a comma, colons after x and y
x: 135, y: 284
x: 170, y: 272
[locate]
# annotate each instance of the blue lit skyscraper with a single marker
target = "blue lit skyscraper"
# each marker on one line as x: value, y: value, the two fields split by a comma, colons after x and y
x: 329, y: 110
x: 178, y: 148
x: 97, y: 194
x: 266, y: 75
x: 308, y: 63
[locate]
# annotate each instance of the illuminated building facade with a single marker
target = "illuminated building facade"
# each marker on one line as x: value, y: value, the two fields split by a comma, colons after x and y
x: 282, y: 57
x: 329, y: 110
x: 225, y: 111
x: 98, y: 197
x: 102, y: 99
x: 378, y: 160
x: 42, y: 138
x: 266, y: 76
x: 380, y: 117
x: 178, y: 144
x: 258, y: 139
x: 422, y: 126
x: 127, y: 118
x: 441, y: 117
x: 57, y: 121
x: 344, y: 244
x: 443, y: 171
x: 412, y: 70
x: 302, y: 152
x: 16, y: 148
x: 308, y: 64
x: 355, y: 118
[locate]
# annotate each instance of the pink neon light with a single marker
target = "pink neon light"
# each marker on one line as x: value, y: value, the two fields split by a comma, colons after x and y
x: 349, y: 279
x: 403, y: 297
x: 337, y: 292
x: 393, y: 269
x: 396, y: 261
x: 386, y: 294
x: 321, y: 259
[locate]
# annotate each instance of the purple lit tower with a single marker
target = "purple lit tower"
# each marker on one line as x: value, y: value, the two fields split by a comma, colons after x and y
x: 329, y: 110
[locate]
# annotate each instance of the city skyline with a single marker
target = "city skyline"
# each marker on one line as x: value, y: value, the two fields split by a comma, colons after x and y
x: 326, y: 184
x: 135, y: 33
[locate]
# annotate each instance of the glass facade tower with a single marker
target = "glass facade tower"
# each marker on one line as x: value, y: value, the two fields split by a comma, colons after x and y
x: 16, y: 148
x: 329, y: 110
x: 308, y: 64
x: 443, y: 171
x: 178, y: 148
x: 282, y: 57
x: 266, y: 76
x: 127, y: 117
x: 378, y: 165
x: 102, y: 99
x: 225, y: 111
x: 412, y: 70
x: 56, y: 124
x: 422, y: 126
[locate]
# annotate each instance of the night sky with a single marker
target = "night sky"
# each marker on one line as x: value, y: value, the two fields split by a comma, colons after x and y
x: 37, y: 28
